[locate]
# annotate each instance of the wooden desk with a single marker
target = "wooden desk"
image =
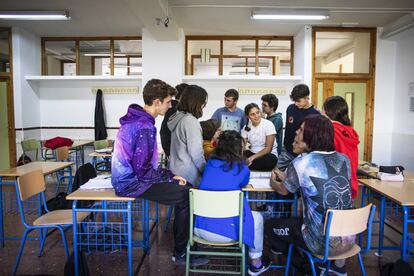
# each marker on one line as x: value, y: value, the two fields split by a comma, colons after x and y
x: 105, y: 195
x: 46, y: 167
x: 401, y: 193
x: 77, y: 146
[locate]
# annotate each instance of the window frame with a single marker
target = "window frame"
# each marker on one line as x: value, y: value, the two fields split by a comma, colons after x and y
x: 77, y: 50
x: 189, y: 71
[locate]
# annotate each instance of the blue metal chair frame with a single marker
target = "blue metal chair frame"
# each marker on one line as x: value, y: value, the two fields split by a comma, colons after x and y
x: 407, y: 243
x: 313, y: 259
x: 293, y: 201
x: 41, y: 228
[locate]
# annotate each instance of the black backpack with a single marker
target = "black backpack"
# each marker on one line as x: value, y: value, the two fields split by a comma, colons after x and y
x: 70, y: 265
x: 399, y: 268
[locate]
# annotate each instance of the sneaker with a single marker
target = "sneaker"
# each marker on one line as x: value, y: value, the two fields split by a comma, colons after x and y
x: 259, y: 270
x: 180, y: 260
x: 333, y: 270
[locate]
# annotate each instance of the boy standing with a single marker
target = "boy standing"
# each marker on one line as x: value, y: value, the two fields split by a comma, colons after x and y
x: 135, y: 171
x: 295, y: 113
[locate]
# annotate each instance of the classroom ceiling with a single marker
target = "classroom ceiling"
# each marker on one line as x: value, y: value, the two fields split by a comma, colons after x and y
x: 202, y: 17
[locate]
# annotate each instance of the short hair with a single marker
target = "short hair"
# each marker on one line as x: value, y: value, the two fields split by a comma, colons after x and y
x: 209, y: 128
x: 318, y: 133
x: 155, y: 89
x: 232, y: 93
x: 299, y: 91
x: 272, y: 100
x: 192, y: 100
x: 336, y: 108
x: 230, y: 150
x: 180, y: 89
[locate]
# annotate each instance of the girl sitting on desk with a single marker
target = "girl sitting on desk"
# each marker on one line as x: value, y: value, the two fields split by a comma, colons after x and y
x: 227, y: 164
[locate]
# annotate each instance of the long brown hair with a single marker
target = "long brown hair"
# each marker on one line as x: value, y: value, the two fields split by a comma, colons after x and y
x: 192, y: 100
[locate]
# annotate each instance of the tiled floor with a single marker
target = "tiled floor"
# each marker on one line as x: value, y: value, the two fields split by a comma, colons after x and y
x: 158, y: 262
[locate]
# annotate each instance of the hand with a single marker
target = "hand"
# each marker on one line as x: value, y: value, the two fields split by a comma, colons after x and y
x: 216, y: 134
x: 278, y: 175
x: 249, y: 160
x: 181, y: 181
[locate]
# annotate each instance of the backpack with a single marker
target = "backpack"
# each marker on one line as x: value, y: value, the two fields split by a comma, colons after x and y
x: 59, y: 202
x: 23, y: 159
x: 399, y: 268
x: 70, y: 265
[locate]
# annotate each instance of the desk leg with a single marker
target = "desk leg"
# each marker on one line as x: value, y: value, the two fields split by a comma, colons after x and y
x: 129, y: 239
x: 404, y: 234
x: 1, y: 213
x: 70, y: 180
x: 363, y: 200
x: 75, y: 238
x: 82, y: 157
x: 381, y: 227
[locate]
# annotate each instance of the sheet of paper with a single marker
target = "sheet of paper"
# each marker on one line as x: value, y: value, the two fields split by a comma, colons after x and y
x: 100, y: 182
x: 260, y: 183
x: 260, y: 175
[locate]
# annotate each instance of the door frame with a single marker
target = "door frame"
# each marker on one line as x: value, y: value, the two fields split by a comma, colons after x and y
x: 10, y: 119
x: 369, y: 78
x: 8, y: 77
x: 328, y: 89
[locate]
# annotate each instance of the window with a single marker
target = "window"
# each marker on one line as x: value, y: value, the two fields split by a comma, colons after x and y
x: 238, y: 55
x: 342, y: 52
x: 92, y: 56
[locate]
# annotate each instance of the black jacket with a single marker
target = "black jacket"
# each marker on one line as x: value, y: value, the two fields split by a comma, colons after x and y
x: 100, y: 128
x: 165, y: 133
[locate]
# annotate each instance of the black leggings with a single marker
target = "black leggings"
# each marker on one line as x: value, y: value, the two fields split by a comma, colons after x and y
x: 264, y: 163
x: 173, y: 194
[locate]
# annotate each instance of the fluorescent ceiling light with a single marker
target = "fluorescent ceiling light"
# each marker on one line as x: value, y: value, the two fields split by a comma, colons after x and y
x: 288, y: 14
x: 35, y: 15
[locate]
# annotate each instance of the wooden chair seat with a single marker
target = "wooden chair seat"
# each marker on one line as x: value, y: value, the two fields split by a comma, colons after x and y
x: 62, y: 217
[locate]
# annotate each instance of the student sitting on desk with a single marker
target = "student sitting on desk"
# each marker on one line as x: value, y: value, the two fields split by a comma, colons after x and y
x: 324, y: 178
x: 135, y: 171
x: 227, y: 164
x: 346, y: 139
x: 260, y: 133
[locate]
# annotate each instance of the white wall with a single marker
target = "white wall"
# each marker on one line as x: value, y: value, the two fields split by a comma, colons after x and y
x: 303, y: 55
x: 403, y: 120
x: 26, y: 61
x: 162, y: 59
x: 393, y: 123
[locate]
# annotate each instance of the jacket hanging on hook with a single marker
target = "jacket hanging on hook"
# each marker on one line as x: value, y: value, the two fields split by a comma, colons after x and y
x: 100, y: 128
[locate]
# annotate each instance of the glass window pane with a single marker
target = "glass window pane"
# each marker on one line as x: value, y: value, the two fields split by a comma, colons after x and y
x: 124, y: 51
x: 135, y: 66
x: 274, y: 57
x: 208, y: 66
x: 4, y: 52
x: 89, y: 51
x: 56, y: 54
x: 239, y: 57
x: 342, y: 52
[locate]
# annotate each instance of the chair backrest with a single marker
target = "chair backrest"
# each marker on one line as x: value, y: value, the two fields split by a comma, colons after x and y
x: 30, y: 145
x: 62, y: 153
x: 31, y: 184
x: 216, y: 204
x: 101, y: 144
x: 348, y: 222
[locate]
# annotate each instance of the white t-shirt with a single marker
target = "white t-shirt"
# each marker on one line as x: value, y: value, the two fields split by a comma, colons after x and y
x: 257, y: 135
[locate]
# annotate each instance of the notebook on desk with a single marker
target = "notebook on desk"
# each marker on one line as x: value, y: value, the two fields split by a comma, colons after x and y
x: 260, y: 180
x: 100, y: 182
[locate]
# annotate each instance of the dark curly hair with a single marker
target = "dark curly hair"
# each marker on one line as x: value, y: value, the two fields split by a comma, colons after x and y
x: 229, y: 149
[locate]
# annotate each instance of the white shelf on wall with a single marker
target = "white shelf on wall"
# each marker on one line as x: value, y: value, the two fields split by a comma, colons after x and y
x: 248, y: 78
x: 82, y: 78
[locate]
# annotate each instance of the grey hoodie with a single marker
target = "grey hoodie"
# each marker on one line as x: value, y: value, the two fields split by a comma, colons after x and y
x: 187, y: 155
